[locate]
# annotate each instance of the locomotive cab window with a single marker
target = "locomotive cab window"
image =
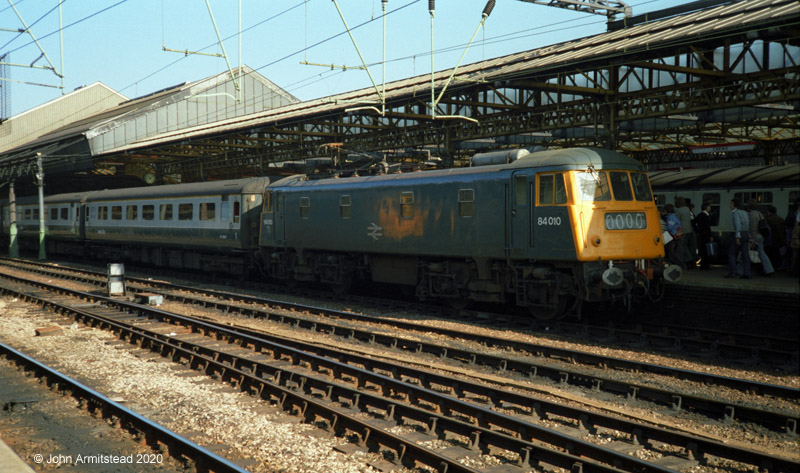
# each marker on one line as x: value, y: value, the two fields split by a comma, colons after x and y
x: 621, y: 185
x: 305, y: 207
x: 641, y: 187
x: 345, y: 206
x: 552, y: 189
x: 407, y: 205
x: 466, y: 203
x: 593, y: 186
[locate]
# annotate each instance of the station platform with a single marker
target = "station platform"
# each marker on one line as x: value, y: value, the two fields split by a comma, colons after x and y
x: 10, y: 461
x: 780, y: 283
x: 767, y: 306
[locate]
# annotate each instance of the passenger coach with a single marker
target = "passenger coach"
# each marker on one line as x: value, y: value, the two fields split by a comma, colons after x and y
x: 209, y: 226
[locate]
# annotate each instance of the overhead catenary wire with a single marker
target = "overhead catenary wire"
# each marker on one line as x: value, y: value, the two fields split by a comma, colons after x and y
x: 319, y: 77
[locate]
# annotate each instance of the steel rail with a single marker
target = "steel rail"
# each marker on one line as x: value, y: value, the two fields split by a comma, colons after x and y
x: 696, y: 447
x: 321, y: 360
x: 339, y: 420
x: 203, y: 459
x: 726, y: 411
x: 539, y: 350
x: 701, y: 340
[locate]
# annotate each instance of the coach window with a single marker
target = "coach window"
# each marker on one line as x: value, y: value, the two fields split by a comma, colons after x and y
x: 148, y: 212
x: 305, y: 207
x: 64, y: 213
x: 236, y: 211
x: 762, y: 199
x: 131, y: 212
x: 54, y: 214
x: 714, y: 199
x: 185, y: 211
x: 407, y: 204
x: 207, y: 211
x: 36, y: 214
x: 621, y: 185
x: 27, y: 214
x: 794, y: 196
x: 466, y: 203
x: 165, y: 212
x: 345, y: 206
x: 116, y: 212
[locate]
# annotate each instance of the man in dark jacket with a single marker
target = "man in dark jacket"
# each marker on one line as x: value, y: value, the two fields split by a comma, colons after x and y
x: 778, y: 238
x: 702, y: 224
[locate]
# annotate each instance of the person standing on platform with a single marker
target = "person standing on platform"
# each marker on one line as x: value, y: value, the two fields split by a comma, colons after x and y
x: 758, y: 238
x: 690, y: 239
x: 778, y: 240
x: 674, y: 248
x: 702, y: 224
x: 740, y: 243
x: 795, y: 243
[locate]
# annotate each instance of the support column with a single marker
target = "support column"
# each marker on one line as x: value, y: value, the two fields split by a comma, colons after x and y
x: 40, y: 183
x: 13, y: 247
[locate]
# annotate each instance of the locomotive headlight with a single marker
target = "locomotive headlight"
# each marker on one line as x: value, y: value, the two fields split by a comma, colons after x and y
x: 626, y: 221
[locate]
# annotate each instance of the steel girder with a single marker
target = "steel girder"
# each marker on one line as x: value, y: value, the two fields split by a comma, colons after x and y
x: 682, y: 91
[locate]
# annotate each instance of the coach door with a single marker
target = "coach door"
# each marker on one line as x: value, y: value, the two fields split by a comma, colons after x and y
x: 519, y: 214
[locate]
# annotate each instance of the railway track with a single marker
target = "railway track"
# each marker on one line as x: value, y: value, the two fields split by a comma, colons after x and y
x: 311, y: 370
x: 750, y: 348
x: 160, y: 438
x: 296, y: 315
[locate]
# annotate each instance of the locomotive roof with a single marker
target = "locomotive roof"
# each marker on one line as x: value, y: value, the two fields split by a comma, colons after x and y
x: 567, y: 158
x: 772, y: 176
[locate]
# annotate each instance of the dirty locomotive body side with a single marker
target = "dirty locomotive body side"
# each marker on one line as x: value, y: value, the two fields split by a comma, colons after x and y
x: 548, y: 231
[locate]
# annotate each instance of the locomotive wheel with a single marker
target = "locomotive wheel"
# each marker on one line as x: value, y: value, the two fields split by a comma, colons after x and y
x: 458, y: 303
x: 560, y: 310
x: 344, y: 286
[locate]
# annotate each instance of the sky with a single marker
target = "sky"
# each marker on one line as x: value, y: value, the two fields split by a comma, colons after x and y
x: 120, y: 42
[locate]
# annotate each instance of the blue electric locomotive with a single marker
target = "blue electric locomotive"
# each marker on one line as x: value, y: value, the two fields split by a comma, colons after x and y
x: 547, y: 231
